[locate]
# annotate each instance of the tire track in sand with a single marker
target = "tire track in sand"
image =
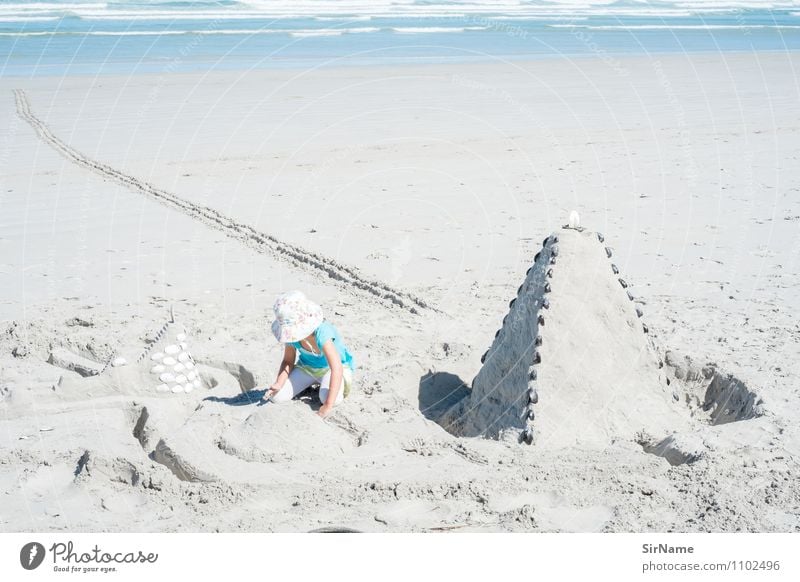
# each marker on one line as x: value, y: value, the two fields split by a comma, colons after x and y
x: 260, y: 241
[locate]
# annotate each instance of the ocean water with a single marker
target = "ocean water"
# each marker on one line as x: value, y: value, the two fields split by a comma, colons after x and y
x: 59, y: 37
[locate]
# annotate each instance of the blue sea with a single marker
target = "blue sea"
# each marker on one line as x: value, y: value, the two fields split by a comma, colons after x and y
x: 61, y: 37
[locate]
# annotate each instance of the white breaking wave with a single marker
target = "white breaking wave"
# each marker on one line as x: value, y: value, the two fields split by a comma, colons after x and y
x: 173, y: 15
x: 39, y: 6
x: 366, y: 9
x: 429, y: 29
x: 28, y: 18
x: 306, y: 33
x: 674, y: 26
x: 332, y: 31
x: 25, y: 33
x: 347, y: 18
x: 210, y: 31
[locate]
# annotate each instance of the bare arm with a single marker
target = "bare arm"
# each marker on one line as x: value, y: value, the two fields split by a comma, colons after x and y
x: 287, y: 365
x: 337, y: 373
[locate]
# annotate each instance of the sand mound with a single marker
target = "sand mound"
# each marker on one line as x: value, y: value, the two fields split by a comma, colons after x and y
x: 275, y: 433
x: 572, y: 364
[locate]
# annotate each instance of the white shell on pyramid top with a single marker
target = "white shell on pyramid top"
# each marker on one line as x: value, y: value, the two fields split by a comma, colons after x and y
x: 181, y: 379
x: 192, y: 375
x: 179, y: 367
x: 157, y: 369
x: 167, y: 377
x: 196, y: 383
x: 157, y: 356
x: 189, y: 365
x: 574, y: 219
x: 162, y: 388
x: 188, y: 388
x: 172, y: 349
x: 169, y: 361
x: 181, y: 337
x: 183, y: 357
x: 177, y: 388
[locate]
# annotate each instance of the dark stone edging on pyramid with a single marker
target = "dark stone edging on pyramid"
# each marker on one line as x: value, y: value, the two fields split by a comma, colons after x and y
x: 517, y: 370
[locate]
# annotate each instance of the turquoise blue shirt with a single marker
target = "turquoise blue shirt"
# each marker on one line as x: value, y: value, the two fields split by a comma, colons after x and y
x: 326, y: 331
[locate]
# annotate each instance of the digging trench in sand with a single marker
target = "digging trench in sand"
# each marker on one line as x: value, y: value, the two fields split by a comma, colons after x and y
x: 162, y: 453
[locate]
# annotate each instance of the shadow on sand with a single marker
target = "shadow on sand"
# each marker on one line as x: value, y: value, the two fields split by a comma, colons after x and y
x: 241, y: 399
x: 438, y: 392
x: 309, y: 396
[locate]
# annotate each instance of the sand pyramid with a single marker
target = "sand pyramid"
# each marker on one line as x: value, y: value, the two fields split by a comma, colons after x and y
x: 572, y: 363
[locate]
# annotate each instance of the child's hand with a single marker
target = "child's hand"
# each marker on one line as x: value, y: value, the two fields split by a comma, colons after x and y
x: 324, y: 411
x: 270, y: 392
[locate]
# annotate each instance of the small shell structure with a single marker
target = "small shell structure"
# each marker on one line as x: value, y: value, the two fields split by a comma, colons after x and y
x: 170, y: 363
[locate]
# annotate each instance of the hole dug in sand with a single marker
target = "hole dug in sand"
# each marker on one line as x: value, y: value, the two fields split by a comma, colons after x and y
x: 710, y: 394
x: 228, y: 376
x: 116, y: 469
x: 711, y: 398
x: 574, y: 365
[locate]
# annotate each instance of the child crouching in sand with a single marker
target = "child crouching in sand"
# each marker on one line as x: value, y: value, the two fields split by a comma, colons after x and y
x: 314, y: 353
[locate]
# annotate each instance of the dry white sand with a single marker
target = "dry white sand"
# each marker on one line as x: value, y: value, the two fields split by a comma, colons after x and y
x: 416, y: 184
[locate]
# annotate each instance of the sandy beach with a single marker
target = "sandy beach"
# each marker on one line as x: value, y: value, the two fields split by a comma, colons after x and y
x: 409, y: 202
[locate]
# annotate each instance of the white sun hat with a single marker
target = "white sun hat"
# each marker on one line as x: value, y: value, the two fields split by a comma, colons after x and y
x: 296, y: 317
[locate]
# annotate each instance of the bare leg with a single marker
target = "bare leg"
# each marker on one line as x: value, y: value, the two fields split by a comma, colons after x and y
x: 295, y: 384
x: 324, y: 387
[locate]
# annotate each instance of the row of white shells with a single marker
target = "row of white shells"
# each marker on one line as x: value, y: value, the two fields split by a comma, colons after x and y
x: 170, y: 350
x: 169, y: 377
x: 177, y: 388
x: 175, y: 368
x: 178, y: 365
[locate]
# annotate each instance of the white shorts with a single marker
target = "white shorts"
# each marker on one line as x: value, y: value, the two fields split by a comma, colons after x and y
x: 298, y: 381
